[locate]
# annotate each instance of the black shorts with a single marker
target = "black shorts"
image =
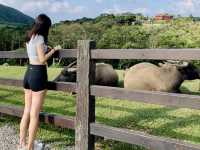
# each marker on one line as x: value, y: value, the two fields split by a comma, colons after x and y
x: 36, y: 78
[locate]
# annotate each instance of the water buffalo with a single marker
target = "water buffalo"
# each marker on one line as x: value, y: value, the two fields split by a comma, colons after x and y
x: 105, y: 75
x: 166, y: 77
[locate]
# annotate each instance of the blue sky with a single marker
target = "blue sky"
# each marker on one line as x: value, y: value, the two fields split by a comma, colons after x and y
x: 72, y: 9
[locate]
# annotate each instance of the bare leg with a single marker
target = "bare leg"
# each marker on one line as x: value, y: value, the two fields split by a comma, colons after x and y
x: 37, y: 102
x: 26, y: 117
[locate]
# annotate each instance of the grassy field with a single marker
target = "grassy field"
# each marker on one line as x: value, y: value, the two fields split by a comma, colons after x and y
x: 176, y: 123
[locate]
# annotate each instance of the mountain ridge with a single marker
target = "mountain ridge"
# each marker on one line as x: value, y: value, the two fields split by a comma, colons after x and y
x: 12, y: 15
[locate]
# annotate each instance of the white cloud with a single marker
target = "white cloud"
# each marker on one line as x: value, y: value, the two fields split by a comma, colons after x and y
x: 185, y: 6
x: 51, y: 7
x: 117, y: 9
x: 99, y: 1
x: 142, y: 10
x: 7, y: 2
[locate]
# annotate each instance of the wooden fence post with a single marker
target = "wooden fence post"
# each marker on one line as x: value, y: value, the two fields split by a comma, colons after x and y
x: 85, y: 103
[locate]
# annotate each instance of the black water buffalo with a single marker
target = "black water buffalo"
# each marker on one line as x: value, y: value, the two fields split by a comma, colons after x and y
x: 105, y: 75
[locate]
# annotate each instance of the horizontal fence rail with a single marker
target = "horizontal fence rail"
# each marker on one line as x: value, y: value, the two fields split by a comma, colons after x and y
x: 161, y: 98
x: 139, y: 138
x: 57, y: 120
x: 56, y: 86
x: 13, y: 54
x: 149, y: 54
x: 65, y: 53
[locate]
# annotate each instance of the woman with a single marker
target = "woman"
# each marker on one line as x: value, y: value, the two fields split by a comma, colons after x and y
x: 35, y: 79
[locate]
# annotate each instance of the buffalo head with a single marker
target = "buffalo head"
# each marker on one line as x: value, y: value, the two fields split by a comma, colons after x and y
x: 66, y: 75
x: 187, y: 69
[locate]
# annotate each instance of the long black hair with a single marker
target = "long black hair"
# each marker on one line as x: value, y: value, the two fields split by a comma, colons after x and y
x: 40, y: 27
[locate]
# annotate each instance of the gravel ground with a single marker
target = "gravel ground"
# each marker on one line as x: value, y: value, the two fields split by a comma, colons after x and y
x: 9, y: 139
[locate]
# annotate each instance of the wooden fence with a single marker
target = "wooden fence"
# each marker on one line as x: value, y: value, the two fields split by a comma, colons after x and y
x: 84, y: 123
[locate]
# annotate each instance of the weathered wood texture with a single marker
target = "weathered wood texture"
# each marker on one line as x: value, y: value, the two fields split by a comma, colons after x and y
x: 13, y: 54
x: 157, y: 54
x: 139, y: 138
x: 65, y: 53
x: 161, y: 98
x: 60, y: 121
x: 57, y: 86
x: 62, y: 86
x: 85, y: 103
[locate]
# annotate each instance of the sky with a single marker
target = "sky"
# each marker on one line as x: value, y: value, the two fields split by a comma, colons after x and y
x: 60, y: 10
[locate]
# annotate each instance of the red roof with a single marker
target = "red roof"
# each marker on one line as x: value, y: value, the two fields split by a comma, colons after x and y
x: 163, y: 17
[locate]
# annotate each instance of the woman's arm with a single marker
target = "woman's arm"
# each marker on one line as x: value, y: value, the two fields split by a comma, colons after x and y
x: 42, y: 56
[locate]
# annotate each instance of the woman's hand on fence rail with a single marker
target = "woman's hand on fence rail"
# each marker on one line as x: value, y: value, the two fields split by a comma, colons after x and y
x: 58, y: 47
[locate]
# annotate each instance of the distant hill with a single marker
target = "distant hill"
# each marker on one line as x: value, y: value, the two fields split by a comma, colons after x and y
x: 10, y: 15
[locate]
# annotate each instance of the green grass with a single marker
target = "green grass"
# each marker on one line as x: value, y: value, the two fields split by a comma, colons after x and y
x: 179, y: 123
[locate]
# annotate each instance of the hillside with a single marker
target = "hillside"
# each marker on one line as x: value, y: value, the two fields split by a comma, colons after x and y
x: 10, y: 15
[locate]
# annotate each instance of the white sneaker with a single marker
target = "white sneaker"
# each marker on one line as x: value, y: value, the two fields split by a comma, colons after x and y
x: 38, y: 145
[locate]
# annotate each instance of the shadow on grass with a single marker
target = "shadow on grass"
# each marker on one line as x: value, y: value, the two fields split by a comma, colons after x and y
x: 115, y: 145
x: 50, y: 95
x: 6, y: 95
x: 13, y: 89
x: 59, y: 110
x: 62, y: 110
x: 146, y: 115
x: 13, y: 99
x: 67, y: 138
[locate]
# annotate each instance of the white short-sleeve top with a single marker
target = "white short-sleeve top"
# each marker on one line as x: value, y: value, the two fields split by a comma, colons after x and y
x: 32, y: 47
